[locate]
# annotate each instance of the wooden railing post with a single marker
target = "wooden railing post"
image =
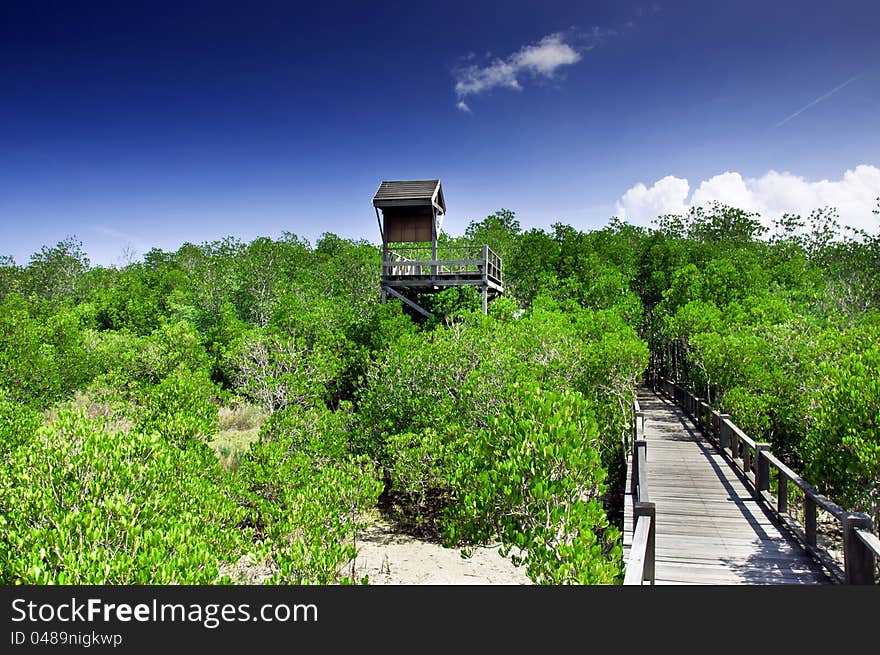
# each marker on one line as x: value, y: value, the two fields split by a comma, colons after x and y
x: 810, y: 519
x: 734, y: 444
x: 639, y: 473
x: 697, y: 410
x: 724, y: 431
x: 639, y: 447
x: 781, y: 493
x: 858, y: 560
x: 762, y: 469
x: 648, y: 510
x: 638, y: 425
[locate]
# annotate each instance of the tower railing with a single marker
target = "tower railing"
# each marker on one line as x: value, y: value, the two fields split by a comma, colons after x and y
x: 418, y: 260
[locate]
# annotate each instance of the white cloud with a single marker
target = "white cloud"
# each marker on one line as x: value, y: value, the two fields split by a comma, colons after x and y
x: 540, y: 59
x: 771, y: 195
x: 546, y: 56
x: 666, y: 196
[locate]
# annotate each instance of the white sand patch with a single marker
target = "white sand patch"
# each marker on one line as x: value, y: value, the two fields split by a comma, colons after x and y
x: 388, y: 557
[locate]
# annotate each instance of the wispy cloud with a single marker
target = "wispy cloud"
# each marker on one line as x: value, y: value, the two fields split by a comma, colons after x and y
x: 541, y: 59
x: 129, y: 244
x: 815, y: 102
x: 535, y: 61
x: 114, y: 233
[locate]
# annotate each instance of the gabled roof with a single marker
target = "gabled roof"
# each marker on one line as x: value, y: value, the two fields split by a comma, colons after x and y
x: 408, y: 193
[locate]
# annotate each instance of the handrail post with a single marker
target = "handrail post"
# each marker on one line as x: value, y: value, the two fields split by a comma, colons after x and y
x: 723, y: 431
x: 810, y: 519
x: 650, y: 511
x: 762, y: 469
x: 781, y: 493
x: 734, y: 444
x: 697, y: 411
x: 638, y: 427
x: 858, y: 559
x: 634, y: 472
x: 640, y: 456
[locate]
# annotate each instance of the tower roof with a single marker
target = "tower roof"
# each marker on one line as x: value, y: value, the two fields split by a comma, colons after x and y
x: 410, y: 193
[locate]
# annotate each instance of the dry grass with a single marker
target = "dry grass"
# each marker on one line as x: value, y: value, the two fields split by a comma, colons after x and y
x: 248, y: 570
x: 239, y: 428
x: 239, y: 425
x: 241, y: 417
x: 96, y: 405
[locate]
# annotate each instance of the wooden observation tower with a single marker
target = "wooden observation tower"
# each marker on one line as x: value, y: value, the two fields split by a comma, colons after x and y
x: 412, y: 262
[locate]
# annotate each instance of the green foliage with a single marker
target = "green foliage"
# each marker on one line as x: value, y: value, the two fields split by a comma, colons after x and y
x: 842, y: 447
x: 55, y: 273
x: 10, y: 276
x: 42, y: 353
x: 503, y: 309
x: 306, y: 495
x: 531, y: 265
x: 135, y: 300
x: 455, y: 302
x: 181, y: 408
x: 716, y: 224
x: 80, y: 504
x: 152, y: 358
x: 18, y: 425
x: 534, y: 477
x: 499, y: 231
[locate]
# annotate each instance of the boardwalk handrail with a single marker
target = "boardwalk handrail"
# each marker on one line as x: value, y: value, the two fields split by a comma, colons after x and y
x: 753, y: 460
x: 637, y: 566
x: 640, y: 566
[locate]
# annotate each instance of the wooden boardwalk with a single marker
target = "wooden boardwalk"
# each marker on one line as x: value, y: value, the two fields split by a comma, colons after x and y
x: 709, y: 528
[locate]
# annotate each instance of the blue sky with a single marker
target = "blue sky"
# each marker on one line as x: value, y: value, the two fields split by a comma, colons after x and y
x: 142, y: 125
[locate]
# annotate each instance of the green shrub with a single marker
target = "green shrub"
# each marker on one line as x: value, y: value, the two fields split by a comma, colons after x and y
x: 18, y: 424
x: 306, y: 496
x: 181, y: 407
x: 80, y: 504
x: 535, y: 478
x: 42, y: 352
x: 842, y: 447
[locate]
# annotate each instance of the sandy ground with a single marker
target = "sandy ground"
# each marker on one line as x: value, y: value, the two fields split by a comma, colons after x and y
x: 389, y: 557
